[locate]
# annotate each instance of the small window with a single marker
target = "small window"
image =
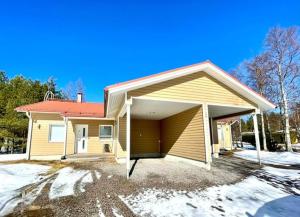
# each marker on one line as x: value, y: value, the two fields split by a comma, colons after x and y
x: 105, y: 131
x: 57, y: 133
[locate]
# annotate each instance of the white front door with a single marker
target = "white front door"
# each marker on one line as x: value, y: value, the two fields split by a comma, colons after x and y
x: 82, y: 138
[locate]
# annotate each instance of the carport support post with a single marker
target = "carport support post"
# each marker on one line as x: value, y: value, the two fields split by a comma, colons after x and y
x: 28, y: 146
x: 206, y: 133
x: 257, y: 142
x: 128, y: 104
x: 66, y: 137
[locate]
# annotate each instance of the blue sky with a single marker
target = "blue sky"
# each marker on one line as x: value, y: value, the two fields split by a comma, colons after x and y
x: 105, y: 42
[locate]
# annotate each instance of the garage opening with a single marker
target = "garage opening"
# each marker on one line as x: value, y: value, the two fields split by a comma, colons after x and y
x: 161, y: 128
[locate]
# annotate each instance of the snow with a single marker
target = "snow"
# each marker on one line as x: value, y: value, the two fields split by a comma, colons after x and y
x: 100, y: 213
x: 283, y: 173
x: 296, y: 147
x: 98, y: 174
x: 116, y: 212
x: 250, y: 197
x: 64, y: 184
x: 276, y: 158
x: 13, y: 178
x: 12, y: 157
x: 249, y: 147
x: 86, y: 179
x: 246, y: 145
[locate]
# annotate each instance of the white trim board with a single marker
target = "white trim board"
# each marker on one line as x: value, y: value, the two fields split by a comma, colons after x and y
x: 192, y: 102
x: 46, y: 157
x: 90, y: 118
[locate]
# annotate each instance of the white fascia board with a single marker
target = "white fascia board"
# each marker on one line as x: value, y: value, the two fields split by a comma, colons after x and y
x: 90, y: 118
x: 159, y: 78
x: 224, y: 78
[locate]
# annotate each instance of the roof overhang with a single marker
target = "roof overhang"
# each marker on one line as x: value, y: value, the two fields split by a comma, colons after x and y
x: 115, y: 93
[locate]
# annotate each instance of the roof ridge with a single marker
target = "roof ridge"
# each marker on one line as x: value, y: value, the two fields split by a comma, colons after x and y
x: 155, y: 74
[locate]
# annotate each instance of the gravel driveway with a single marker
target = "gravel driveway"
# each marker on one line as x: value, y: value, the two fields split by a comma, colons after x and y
x: 101, y: 197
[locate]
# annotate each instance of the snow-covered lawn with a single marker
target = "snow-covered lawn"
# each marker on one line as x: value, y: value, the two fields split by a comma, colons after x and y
x: 12, y: 157
x: 269, y: 191
x: 17, y: 179
x: 276, y: 158
x: 296, y: 147
x: 253, y: 196
x: 13, y: 178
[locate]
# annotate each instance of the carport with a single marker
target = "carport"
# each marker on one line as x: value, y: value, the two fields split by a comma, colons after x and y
x: 176, y: 129
x: 168, y: 97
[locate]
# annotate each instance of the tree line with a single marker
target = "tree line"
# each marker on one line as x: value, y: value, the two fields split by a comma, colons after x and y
x: 275, y: 74
x: 21, y: 91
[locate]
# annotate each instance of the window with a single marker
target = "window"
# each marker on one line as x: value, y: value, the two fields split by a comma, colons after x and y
x: 57, y: 133
x: 105, y: 131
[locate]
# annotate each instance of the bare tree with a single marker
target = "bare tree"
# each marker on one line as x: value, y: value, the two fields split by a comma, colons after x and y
x: 73, y: 88
x: 70, y: 91
x: 283, y: 49
x: 259, y: 78
x: 295, y: 118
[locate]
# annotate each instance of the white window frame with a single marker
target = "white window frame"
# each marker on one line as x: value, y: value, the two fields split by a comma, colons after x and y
x: 50, y: 131
x: 112, y: 131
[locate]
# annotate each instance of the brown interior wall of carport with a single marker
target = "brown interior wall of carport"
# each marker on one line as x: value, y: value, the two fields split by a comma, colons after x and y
x: 180, y: 135
x: 145, y: 136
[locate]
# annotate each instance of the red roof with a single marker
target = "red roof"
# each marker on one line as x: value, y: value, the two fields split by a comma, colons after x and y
x: 66, y: 108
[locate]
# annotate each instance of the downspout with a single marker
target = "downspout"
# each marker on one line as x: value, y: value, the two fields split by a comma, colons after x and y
x: 66, y: 138
x: 29, y: 136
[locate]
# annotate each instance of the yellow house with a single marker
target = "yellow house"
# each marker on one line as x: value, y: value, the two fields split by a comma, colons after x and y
x: 172, y: 114
x: 224, y: 135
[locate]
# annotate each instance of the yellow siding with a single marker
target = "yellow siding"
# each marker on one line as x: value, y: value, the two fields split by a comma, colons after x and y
x: 145, y: 136
x: 196, y: 87
x: 40, y: 134
x: 225, y: 134
x: 121, y: 142
x: 183, y: 135
x: 95, y: 144
x: 214, y: 132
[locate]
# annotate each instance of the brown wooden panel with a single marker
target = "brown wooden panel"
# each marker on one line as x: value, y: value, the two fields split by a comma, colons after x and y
x: 183, y: 135
x: 145, y: 136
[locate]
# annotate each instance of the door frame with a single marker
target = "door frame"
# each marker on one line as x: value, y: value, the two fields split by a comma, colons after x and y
x: 86, y: 137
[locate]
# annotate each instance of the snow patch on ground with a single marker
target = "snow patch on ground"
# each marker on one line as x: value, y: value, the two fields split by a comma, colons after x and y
x: 244, y: 145
x: 100, y: 213
x: 12, y: 157
x: 296, y: 147
x: 116, y: 212
x: 276, y: 158
x: 13, y: 178
x: 98, y: 174
x: 64, y: 184
x: 283, y: 173
x: 250, y: 197
x: 86, y: 179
